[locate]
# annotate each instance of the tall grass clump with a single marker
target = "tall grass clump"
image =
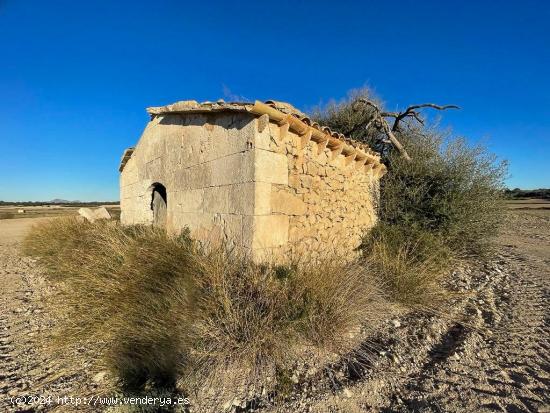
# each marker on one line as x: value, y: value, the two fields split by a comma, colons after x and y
x: 258, y: 319
x: 160, y: 309
x: 410, y: 263
x: 122, y: 290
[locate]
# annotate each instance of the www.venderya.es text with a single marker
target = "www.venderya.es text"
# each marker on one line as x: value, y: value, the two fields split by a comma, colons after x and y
x: 98, y: 401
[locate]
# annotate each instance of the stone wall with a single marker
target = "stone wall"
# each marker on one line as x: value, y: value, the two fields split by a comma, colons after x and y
x: 234, y: 177
x: 206, y: 163
x: 329, y: 202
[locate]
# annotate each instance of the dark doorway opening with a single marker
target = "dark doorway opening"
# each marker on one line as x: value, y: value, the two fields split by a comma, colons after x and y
x: 159, y: 205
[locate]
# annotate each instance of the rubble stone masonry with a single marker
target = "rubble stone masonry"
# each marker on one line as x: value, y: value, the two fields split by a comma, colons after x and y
x: 327, y: 205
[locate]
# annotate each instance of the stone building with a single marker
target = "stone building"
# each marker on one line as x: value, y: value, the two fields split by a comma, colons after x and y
x: 259, y: 176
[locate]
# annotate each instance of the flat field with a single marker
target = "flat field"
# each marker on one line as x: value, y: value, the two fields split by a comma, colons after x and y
x: 16, y: 212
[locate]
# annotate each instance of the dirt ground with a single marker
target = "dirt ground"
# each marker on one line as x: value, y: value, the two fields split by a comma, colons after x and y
x: 24, y: 370
x: 488, y: 351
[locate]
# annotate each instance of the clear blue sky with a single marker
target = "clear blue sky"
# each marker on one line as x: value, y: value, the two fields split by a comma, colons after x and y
x: 76, y: 77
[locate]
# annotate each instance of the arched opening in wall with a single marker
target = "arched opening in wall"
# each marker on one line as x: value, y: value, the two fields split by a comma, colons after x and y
x: 159, y: 205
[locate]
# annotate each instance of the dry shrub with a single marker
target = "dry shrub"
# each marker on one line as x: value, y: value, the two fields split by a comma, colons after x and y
x: 158, y: 308
x: 258, y: 316
x: 243, y: 315
x: 442, y: 206
x: 350, y: 119
x: 338, y: 299
x: 451, y: 188
x: 410, y: 262
x: 122, y: 291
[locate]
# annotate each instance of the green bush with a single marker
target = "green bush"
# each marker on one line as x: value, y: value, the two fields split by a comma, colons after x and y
x: 449, y: 189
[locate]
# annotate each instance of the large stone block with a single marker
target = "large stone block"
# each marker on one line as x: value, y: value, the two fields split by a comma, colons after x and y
x: 154, y: 170
x: 232, y: 169
x: 230, y: 229
x: 130, y: 173
x: 216, y: 199
x: 195, y: 177
x: 230, y: 199
x: 94, y: 214
x: 186, y: 200
x: 287, y: 203
x: 263, y: 139
x: 200, y: 224
x: 262, y: 198
x: 270, y: 167
x: 265, y: 231
x: 227, y: 134
x: 251, y: 198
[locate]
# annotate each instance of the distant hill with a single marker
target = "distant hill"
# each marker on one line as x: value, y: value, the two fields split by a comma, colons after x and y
x: 63, y: 201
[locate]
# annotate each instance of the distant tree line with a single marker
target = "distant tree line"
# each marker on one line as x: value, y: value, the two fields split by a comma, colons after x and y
x: 516, y: 193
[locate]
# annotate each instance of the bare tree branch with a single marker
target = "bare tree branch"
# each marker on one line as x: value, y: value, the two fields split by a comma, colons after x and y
x: 411, y: 111
x: 386, y: 128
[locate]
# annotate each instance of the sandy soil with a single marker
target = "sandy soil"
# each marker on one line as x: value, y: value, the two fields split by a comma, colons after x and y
x: 529, y: 204
x: 12, y: 231
x: 25, y: 371
x: 488, y: 351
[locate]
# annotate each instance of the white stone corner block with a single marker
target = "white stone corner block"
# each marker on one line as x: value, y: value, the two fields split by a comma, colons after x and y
x: 266, y: 231
x: 270, y: 167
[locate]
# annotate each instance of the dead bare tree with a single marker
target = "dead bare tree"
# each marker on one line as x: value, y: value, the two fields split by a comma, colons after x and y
x: 379, y: 120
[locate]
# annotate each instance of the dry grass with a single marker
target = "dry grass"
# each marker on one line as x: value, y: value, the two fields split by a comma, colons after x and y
x: 124, y: 291
x: 158, y: 308
x: 411, y: 263
x: 251, y: 314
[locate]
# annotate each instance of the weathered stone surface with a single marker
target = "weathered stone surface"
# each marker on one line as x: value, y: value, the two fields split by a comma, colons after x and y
x: 266, y: 231
x: 94, y: 214
x: 187, y: 200
x: 286, y: 203
x: 233, y: 169
x: 195, y: 177
x: 262, y: 198
x: 270, y: 167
